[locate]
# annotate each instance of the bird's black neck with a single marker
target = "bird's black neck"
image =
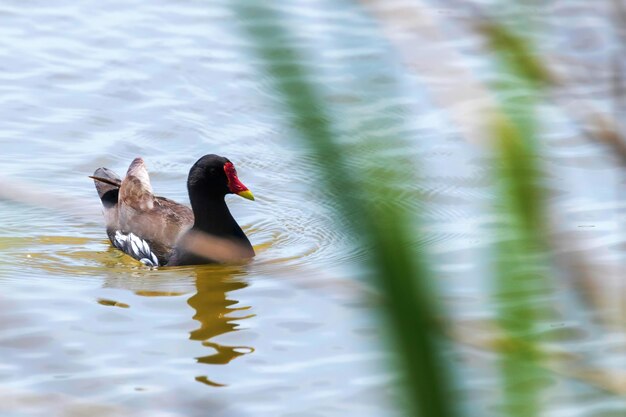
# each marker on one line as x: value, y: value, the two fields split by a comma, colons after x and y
x: 211, y: 216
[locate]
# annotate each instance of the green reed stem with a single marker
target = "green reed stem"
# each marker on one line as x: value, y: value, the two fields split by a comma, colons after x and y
x: 375, y: 216
x: 521, y: 261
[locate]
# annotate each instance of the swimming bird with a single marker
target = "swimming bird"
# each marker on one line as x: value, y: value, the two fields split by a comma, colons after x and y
x: 158, y: 231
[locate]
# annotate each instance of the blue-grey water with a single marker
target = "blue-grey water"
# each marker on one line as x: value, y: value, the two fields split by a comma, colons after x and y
x: 85, y: 330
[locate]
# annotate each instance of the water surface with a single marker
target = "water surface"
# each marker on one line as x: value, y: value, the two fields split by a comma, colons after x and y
x: 84, y: 329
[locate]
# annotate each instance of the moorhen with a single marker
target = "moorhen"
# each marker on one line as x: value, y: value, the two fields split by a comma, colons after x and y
x: 158, y: 231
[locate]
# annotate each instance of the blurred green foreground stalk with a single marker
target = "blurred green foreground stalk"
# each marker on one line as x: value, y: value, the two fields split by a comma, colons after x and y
x: 383, y: 223
x: 369, y: 205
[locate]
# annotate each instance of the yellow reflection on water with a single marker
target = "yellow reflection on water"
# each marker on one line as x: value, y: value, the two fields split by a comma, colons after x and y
x: 213, y: 307
x: 210, y: 290
x: 212, y: 303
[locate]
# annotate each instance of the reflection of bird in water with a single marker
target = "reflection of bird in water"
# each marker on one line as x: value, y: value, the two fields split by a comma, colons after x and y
x: 212, y: 311
x: 213, y: 284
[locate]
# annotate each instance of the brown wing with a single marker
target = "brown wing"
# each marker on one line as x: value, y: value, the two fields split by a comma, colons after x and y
x: 136, y: 190
x: 158, y: 220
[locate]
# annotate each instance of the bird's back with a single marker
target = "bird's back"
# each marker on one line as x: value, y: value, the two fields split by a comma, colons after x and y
x: 139, y: 215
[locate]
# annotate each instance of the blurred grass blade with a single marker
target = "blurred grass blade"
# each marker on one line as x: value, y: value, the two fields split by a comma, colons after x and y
x: 522, y: 272
x: 516, y: 52
x: 375, y: 216
x: 521, y: 275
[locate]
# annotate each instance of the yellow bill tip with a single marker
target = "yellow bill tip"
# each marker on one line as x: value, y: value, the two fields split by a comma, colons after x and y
x: 246, y: 194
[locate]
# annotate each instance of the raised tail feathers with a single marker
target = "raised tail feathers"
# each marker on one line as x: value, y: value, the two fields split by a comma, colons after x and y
x: 108, y: 185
